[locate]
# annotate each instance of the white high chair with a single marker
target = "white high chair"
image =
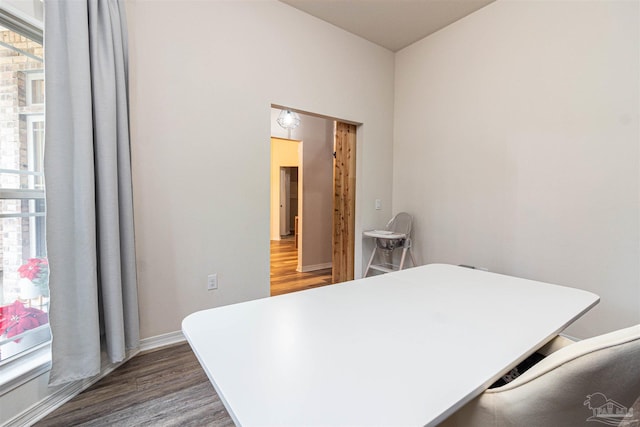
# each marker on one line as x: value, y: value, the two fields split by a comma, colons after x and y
x: 397, y: 234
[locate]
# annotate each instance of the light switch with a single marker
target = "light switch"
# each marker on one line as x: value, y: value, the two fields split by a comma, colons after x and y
x: 378, y: 204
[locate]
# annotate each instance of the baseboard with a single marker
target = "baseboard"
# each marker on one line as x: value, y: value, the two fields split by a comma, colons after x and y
x: 61, y: 395
x: 68, y: 391
x: 308, y: 268
x: 52, y: 402
x: 163, y: 340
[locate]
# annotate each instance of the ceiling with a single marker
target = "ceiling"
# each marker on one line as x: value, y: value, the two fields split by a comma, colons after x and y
x: 393, y: 24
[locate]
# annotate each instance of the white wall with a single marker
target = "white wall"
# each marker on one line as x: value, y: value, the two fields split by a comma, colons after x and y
x: 516, y: 147
x: 317, y: 193
x: 203, y: 78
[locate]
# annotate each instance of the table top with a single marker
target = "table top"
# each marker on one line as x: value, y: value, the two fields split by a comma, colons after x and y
x: 404, y: 348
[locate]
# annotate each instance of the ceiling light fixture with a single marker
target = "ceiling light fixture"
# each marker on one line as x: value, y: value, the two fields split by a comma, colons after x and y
x: 288, y: 119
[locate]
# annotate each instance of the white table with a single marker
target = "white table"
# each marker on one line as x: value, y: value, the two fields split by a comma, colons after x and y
x: 402, y: 349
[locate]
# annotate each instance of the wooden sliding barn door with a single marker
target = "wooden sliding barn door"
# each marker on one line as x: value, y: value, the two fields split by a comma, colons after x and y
x: 344, y: 202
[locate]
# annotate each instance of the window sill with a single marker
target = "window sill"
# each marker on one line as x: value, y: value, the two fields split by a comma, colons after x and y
x: 26, y: 367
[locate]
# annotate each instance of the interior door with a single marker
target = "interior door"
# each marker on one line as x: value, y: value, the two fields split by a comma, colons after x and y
x: 285, y: 186
x: 344, y: 202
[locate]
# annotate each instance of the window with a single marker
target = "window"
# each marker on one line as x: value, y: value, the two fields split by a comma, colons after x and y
x: 24, y: 291
x: 35, y: 88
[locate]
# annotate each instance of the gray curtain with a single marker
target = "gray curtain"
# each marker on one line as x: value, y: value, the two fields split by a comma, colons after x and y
x: 90, y: 242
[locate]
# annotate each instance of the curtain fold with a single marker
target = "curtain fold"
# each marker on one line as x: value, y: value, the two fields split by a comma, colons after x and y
x: 90, y: 236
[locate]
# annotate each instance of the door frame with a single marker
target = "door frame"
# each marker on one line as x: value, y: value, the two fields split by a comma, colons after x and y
x: 349, y: 227
x: 285, y: 189
x: 344, y: 202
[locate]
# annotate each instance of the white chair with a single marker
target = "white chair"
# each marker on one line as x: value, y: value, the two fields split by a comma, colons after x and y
x: 591, y: 382
x: 397, y: 234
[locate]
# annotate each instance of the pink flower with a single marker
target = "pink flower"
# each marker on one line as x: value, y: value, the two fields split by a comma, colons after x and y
x: 31, y: 269
x: 36, y: 270
x: 16, y: 318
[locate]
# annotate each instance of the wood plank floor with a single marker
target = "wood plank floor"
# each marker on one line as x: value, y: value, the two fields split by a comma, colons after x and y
x: 285, y: 278
x: 168, y: 387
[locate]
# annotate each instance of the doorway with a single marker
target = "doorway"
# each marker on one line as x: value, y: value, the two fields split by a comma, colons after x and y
x: 326, y: 180
x: 288, y: 201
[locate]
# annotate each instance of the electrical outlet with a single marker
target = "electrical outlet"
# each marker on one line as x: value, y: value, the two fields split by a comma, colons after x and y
x: 212, y: 281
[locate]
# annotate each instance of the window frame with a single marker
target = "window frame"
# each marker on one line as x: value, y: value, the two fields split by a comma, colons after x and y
x: 32, y: 76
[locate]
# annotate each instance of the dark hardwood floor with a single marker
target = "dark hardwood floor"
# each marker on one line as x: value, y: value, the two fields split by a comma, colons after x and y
x: 168, y: 387
x: 285, y: 278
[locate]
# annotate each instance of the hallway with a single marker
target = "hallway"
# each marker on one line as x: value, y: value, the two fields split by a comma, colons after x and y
x: 285, y: 278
